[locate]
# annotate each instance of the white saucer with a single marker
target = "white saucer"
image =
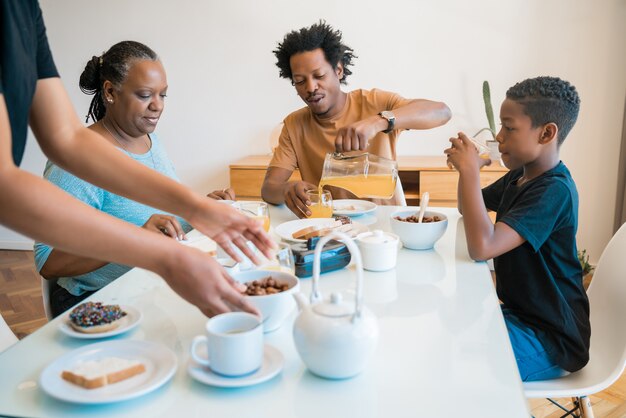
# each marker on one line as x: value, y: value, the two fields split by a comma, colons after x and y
x: 353, y: 207
x: 130, y: 321
x: 272, y: 365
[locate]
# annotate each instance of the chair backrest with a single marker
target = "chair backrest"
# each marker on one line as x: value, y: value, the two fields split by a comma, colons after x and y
x: 7, y: 338
x: 607, y: 300
x: 45, y: 294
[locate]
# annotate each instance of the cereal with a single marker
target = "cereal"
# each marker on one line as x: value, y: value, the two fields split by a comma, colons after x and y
x: 265, y: 286
x: 414, y: 219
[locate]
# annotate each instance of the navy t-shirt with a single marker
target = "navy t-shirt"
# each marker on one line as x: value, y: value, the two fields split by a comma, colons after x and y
x: 541, y: 280
x: 24, y: 58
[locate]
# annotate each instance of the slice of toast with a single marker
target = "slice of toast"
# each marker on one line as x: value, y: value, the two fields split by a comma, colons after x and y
x: 315, y: 231
x: 97, y: 373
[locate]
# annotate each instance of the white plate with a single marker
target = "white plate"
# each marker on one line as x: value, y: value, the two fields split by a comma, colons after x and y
x: 286, y: 229
x: 130, y: 321
x: 353, y: 207
x: 160, y: 363
x: 272, y: 365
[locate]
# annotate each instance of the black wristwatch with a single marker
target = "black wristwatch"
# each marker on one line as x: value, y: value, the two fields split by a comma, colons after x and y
x: 391, y: 120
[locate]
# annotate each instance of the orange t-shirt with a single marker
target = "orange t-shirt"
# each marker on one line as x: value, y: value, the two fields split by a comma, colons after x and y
x: 305, y: 140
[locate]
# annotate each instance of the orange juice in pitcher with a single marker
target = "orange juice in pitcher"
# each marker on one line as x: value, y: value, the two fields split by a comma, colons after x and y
x: 365, y: 175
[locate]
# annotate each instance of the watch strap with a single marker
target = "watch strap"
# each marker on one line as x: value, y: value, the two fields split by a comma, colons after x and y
x: 391, y: 120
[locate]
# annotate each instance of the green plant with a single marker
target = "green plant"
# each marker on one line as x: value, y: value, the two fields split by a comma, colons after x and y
x: 584, y: 262
x: 488, y: 111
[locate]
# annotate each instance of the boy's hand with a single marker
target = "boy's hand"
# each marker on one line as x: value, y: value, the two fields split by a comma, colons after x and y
x: 463, y: 154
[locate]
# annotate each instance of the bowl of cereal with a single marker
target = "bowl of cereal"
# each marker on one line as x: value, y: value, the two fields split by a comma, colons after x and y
x: 418, y: 235
x: 271, y: 292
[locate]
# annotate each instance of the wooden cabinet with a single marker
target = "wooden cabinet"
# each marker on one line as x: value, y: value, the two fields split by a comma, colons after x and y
x: 417, y: 173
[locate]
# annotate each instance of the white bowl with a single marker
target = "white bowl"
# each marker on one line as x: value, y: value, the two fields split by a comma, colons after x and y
x: 274, y: 308
x: 379, y: 250
x: 418, y: 236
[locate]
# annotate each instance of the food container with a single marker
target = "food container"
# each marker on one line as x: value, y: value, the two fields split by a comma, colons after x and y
x: 363, y: 174
x: 379, y: 250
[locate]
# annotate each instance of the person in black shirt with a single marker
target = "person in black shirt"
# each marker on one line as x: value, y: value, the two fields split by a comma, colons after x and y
x: 31, y: 92
x: 533, y: 242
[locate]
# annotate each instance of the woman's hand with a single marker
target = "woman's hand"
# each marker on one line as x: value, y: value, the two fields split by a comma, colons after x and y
x: 224, y: 194
x: 166, y: 225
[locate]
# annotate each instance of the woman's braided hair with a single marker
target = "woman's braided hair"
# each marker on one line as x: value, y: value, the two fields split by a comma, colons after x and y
x: 113, y: 65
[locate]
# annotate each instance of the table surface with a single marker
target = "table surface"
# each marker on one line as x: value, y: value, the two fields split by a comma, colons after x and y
x: 443, y: 349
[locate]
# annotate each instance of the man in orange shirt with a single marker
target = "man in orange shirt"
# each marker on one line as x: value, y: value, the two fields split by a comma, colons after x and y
x: 317, y: 62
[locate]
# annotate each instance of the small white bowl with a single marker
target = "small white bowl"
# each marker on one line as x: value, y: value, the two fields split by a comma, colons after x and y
x: 418, y: 236
x: 379, y: 250
x: 274, y: 308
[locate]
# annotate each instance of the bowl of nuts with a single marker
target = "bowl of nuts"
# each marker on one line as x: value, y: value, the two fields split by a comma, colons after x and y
x: 418, y: 235
x: 271, y: 292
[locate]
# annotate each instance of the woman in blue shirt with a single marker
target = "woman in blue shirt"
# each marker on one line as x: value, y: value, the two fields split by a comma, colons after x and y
x: 129, y: 86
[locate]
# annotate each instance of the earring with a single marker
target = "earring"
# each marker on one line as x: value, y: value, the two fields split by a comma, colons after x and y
x: 110, y: 100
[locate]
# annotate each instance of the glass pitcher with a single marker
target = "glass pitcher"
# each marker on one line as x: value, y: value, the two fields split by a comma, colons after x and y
x: 363, y: 174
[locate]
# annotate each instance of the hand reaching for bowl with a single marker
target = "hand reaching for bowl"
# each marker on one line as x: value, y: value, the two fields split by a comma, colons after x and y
x: 228, y: 227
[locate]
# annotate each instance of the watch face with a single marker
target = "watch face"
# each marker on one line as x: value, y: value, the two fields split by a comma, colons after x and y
x: 387, y: 114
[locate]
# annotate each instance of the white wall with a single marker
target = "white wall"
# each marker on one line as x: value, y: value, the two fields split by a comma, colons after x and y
x: 225, y: 95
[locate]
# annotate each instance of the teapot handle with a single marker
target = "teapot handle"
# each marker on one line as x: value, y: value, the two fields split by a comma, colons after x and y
x: 316, y: 295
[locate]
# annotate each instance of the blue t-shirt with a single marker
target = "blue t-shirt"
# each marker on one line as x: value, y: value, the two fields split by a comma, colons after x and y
x: 118, y: 206
x: 541, y: 280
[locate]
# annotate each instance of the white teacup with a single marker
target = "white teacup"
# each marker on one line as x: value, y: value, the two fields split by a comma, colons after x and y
x: 234, y: 344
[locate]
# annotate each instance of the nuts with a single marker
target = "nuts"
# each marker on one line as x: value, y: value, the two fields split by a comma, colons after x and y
x: 414, y: 219
x: 265, y: 286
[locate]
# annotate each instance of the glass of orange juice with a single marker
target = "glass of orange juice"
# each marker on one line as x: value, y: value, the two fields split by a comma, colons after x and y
x: 321, y: 203
x: 283, y: 260
x: 257, y: 210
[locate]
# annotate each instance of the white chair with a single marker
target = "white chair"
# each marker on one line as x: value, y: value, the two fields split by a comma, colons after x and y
x: 607, y: 300
x: 7, y: 338
x: 45, y: 294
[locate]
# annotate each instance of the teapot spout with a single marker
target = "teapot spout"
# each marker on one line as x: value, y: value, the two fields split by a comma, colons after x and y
x: 301, y: 300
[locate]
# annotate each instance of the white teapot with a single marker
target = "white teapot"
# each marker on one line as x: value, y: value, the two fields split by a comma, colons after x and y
x: 335, y: 339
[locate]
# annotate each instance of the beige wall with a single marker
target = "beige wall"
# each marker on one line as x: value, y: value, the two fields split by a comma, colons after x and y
x: 225, y: 93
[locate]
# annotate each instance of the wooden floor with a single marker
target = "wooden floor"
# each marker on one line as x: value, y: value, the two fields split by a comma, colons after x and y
x: 22, y: 309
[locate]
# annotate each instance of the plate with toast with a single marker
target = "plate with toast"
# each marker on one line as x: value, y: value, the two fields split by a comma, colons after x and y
x: 353, y: 207
x: 109, y: 371
x: 301, y: 230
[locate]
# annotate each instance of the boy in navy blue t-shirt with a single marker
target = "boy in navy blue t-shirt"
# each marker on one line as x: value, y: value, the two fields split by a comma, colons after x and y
x: 533, y: 242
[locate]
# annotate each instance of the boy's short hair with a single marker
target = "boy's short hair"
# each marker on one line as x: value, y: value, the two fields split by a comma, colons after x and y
x: 319, y: 35
x: 548, y: 100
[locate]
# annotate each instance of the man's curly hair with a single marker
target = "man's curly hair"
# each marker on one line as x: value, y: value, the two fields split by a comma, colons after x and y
x: 546, y: 100
x: 319, y: 35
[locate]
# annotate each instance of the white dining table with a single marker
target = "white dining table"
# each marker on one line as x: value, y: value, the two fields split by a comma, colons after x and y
x: 443, y: 348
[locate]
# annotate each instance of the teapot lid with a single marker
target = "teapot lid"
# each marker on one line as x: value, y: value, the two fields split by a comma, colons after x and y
x: 335, y: 307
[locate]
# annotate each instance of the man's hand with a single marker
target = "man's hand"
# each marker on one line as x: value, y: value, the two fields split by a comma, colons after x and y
x: 355, y: 136
x: 463, y: 154
x: 200, y: 280
x: 224, y: 194
x: 296, y: 198
x: 165, y: 224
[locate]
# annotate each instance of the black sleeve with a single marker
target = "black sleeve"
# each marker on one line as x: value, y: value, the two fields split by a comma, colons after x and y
x: 492, y: 194
x: 45, y: 62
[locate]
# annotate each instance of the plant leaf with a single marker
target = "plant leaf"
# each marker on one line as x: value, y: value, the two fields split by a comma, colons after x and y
x: 489, y: 108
